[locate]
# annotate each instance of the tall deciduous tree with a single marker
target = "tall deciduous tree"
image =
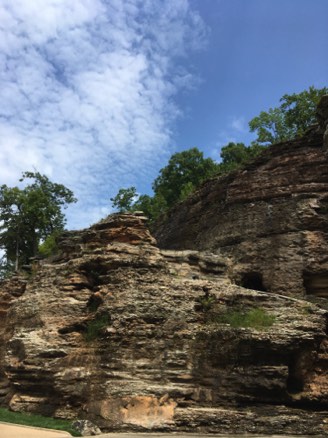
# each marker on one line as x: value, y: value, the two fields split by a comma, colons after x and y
x: 291, y: 119
x: 184, y: 172
x: 236, y: 155
x: 30, y: 215
x: 124, y: 199
x: 152, y: 206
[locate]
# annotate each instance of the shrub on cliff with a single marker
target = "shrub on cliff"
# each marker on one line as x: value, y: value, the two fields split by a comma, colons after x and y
x: 49, y: 246
x: 256, y: 318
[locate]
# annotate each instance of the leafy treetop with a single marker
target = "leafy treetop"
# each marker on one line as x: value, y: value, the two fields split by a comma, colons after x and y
x: 291, y: 119
x: 124, y: 199
x: 183, y: 174
x: 186, y: 170
x: 29, y: 215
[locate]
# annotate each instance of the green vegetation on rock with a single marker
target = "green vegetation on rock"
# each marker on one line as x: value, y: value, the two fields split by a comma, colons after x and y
x: 187, y: 170
x: 206, y: 302
x: 96, y: 326
x: 256, y: 318
x: 49, y: 246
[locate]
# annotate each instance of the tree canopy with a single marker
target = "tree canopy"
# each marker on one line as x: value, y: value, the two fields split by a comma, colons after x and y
x: 291, y: 119
x: 124, y: 199
x: 235, y: 155
x: 184, y: 172
x: 187, y: 170
x: 29, y: 215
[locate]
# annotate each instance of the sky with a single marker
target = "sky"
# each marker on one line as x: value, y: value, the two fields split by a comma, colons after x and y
x: 98, y: 94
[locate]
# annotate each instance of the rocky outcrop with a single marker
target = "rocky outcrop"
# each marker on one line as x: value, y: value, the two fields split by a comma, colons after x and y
x: 10, y: 290
x: 131, y: 337
x: 270, y: 218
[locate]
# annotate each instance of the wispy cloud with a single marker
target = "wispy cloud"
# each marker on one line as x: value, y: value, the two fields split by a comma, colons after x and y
x: 239, y: 124
x: 236, y: 131
x: 89, y: 91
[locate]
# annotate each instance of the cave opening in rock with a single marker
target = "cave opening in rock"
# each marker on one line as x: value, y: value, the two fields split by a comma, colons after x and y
x: 252, y: 280
x: 300, y: 364
x: 295, y: 383
x: 316, y: 283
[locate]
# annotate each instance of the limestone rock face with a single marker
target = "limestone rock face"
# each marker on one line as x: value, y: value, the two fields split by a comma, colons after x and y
x: 270, y: 218
x: 10, y: 290
x: 130, y: 337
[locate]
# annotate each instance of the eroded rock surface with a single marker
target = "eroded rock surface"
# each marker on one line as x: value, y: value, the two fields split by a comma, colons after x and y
x: 270, y: 218
x: 10, y: 290
x: 131, y: 337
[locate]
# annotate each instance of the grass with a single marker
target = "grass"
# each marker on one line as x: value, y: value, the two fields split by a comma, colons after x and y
x: 206, y: 302
x: 37, y: 421
x: 95, y: 327
x: 254, y: 318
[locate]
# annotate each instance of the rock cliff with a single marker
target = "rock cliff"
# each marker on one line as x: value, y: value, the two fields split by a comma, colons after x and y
x: 270, y: 218
x: 132, y: 337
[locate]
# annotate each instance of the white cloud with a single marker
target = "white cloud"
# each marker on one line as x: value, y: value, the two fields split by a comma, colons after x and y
x: 236, y: 131
x: 88, y: 91
x: 239, y: 124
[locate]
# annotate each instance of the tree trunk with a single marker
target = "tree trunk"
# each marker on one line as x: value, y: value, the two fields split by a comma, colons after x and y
x: 17, y: 255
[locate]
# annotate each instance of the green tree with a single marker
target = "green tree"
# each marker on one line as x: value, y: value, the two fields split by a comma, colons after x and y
x: 49, y: 245
x: 124, y: 200
x: 152, y: 206
x: 187, y: 170
x: 184, y: 172
x: 29, y: 215
x: 291, y: 119
x: 236, y: 155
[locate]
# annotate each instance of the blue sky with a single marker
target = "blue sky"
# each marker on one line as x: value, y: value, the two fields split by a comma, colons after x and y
x: 97, y: 94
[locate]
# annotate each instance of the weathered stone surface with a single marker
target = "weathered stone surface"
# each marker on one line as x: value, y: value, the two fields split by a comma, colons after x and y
x: 257, y: 420
x: 118, y: 332
x: 10, y: 290
x: 270, y: 219
x: 116, y: 228
x: 86, y: 428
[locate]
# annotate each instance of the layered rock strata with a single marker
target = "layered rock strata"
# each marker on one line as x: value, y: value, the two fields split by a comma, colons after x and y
x: 270, y: 218
x: 118, y: 332
x: 10, y: 290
